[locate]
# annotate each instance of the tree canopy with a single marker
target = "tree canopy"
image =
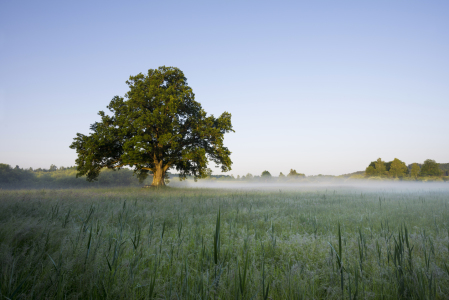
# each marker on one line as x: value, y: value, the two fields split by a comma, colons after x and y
x: 293, y: 173
x: 415, y: 170
x: 397, y: 168
x: 430, y: 168
x: 265, y: 174
x: 381, y: 169
x: 157, y: 126
x: 376, y: 168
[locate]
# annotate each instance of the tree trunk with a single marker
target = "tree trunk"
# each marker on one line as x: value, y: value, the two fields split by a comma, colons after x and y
x: 158, y: 176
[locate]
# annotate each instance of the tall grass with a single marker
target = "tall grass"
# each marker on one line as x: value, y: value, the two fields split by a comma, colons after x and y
x: 224, y: 244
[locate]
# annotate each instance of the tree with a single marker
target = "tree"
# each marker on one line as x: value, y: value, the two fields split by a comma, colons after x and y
x: 370, y: 171
x: 415, y: 170
x: 293, y: 173
x: 381, y: 170
x: 266, y: 174
x: 157, y: 126
x: 281, y: 176
x: 430, y: 168
x: 397, y: 168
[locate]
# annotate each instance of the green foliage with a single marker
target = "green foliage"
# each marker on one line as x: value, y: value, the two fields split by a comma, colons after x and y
x: 265, y: 174
x: 157, y: 126
x: 397, y: 168
x: 376, y: 168
x: 13, y: 177
x: 415, y: 170
x: 293, y: 174
x: 430, y: 168
x: 370, y: 171
x: 381, y: 169
x: 61, y: 178
x: 387, y: 165
x: 444, y: 168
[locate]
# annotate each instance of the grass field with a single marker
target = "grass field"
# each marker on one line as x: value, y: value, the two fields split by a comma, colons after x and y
x: 177, y: 243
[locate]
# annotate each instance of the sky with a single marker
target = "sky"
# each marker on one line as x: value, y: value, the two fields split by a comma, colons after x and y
x: 323, y: 87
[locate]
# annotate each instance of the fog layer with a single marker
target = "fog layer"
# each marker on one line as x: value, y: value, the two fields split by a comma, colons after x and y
x: 398, y: 186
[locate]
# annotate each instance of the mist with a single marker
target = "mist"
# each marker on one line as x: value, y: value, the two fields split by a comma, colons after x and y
x: 329, y: 185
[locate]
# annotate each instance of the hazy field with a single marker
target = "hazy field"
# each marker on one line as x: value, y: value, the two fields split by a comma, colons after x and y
x: 279, y: 242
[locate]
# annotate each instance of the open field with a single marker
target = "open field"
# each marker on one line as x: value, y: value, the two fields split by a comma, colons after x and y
x: 300, y: 243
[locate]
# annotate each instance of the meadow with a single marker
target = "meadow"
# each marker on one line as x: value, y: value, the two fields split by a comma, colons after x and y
x: 310, y: 242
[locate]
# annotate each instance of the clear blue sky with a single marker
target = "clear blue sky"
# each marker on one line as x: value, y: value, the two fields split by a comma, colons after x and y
x: 318, y: 86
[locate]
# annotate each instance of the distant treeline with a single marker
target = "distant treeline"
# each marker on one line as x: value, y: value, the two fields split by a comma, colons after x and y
x: 265, y: 176
x: 63, y: 177
x: 262, y: 177
x: 429, y: 170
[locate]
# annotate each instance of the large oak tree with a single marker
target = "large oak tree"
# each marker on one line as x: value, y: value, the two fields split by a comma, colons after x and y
x: 157, y: 126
